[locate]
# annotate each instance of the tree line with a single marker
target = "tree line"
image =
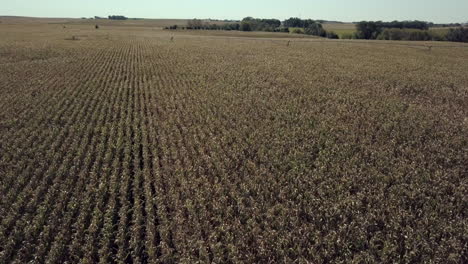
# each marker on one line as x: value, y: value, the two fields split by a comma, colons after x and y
x: 394, y: 30
x: 372, y: 29
x: 306, y: 26
x: 118, y: 17
x: 407, y: 30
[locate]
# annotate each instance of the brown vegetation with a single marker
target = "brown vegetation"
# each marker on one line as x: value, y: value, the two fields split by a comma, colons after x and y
x: 127, y: 147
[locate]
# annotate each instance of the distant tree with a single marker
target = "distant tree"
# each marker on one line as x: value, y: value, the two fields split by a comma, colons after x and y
x: 297, y: 31
x: 332, y: 35
x: 293, y: 22
x: 195, y: 24
x: 309, y: 22
x: 368, y: 29
x: 257, y: 24
x: 348, y: 36
x: 458, y: 34
x: 273, y: 23
x: 118, y: 18
x: 315, y: 29
x: 174, y: 27
x: 372, y: 29
x: 246, y: 26
x: 231, y: 26
x: 405, y: 34
x: 282, y: 29
x: 307, y: 26
x: 445, y: 25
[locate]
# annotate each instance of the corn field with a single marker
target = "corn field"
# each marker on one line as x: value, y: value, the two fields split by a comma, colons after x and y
x: 126, y: 147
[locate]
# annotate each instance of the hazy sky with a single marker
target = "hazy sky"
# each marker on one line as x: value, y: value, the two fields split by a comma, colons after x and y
x: 343, y: 10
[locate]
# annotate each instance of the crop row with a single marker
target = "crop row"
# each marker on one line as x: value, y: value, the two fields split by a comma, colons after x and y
x: 143, y: 150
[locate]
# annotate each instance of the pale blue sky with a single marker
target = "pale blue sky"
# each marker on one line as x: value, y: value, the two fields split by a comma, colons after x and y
x: 439, y: 11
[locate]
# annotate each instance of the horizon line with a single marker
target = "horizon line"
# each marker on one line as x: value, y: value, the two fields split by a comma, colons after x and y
x: 217, y: 19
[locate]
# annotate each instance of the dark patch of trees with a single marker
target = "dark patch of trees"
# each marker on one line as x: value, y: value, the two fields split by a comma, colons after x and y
x: 445, y: 25
x: 246, y: 26
x: 394, y: 30
x: 406, y: 24
x: 300, y: 23
x: 309, y: 27
x: 118, y: 17
x: 231, y: 26
x: 197, y: 24
x: 315, y: 29
x: 282, y: 29
x: 293, y: 22
x: 332, y: 35
x: 407, y: 30
x: 368, y: 30
x: 372, y: 29
x: 457, y: 34
x: 406, y: 34
x: 257, y: 24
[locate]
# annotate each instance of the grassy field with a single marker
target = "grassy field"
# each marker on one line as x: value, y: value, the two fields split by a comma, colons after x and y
x: 340, y: 29
x: 124, y: 146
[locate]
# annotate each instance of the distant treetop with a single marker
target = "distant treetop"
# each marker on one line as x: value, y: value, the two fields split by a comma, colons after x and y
x: 118, y: 18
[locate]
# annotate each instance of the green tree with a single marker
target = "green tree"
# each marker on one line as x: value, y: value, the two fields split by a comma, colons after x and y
x: 293, y: 22
x: 195, y: 24
x: 458, y: 34
x: 315, y: 29
x: 368, y: 29
x: 246, y: 26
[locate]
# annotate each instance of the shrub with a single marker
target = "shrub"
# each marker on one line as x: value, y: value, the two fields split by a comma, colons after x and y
x: 437, y: 37
x: 347, y: 36
x: 282, y: 29
x: 332, y: 35
x: 297, y: 31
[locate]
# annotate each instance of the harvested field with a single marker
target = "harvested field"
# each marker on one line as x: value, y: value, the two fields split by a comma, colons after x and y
x: 124, y: 146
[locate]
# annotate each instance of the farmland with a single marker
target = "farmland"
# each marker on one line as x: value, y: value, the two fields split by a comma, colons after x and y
x: 131, y: 144
x: 341, y: 29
